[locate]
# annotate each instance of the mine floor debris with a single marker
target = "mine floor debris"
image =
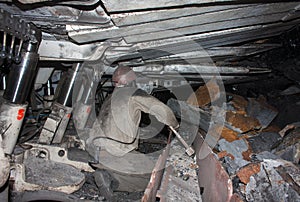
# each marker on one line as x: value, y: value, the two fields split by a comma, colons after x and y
x: 260, y: 156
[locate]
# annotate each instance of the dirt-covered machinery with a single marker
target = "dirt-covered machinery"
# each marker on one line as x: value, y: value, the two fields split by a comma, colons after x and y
x: 57, y: 58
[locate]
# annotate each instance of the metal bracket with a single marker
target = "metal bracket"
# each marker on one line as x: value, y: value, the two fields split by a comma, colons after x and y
x: 56, y: 124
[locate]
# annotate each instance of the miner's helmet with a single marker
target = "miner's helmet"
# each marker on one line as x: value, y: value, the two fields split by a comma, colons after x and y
x: 123, y: 76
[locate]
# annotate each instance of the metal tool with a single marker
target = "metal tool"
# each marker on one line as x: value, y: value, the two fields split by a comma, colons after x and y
x: 189, y: 150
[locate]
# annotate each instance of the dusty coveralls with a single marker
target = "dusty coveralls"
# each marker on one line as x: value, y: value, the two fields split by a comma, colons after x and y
x: 116, y: 128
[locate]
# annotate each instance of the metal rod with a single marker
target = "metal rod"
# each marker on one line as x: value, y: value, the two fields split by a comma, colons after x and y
x: 18, y: 55
x: 4, y: 42
x: 3, y: 51
x: 189, y: 150
x: 64, y: 96
x: 13, y: 38
x: 90, y: 90
x: 4, y: 82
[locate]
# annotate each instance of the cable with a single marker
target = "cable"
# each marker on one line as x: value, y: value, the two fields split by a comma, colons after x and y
x: 114, y: 140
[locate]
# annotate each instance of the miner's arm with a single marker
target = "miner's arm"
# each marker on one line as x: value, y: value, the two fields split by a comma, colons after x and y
x: 155, y: 107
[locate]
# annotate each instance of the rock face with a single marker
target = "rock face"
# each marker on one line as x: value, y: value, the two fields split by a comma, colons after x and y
x: 274, y: 182
x: 289, y: 148
x: 261, y: 161
x: 264, y: 141
x: 264, y: 166
x: 246, y: 172
x: 236, y: 149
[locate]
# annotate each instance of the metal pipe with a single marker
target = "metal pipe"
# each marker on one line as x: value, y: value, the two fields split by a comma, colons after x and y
x: 3, y: 82
x: 3, y: 51
x: 21, y: 76
x: 49, y: 90
x: 11, y: 50
x: 66, y: 86
x: 89, y: 92
x: 18, y: 55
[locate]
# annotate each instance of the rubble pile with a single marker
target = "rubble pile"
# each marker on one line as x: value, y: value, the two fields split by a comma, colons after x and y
x: 261, y: 163
x: 261, y: 159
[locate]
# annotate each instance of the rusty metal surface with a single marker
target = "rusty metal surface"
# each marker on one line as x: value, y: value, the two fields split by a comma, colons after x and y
x: 161, y: 193
x: 236, y: 198
x: 214, y: 182
x: 213, y: 179
x: 156, y: 177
